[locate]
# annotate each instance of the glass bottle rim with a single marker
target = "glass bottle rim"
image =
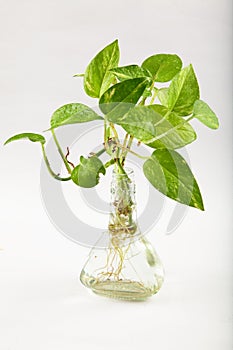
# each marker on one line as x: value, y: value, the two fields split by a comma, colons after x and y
x: 129, y: 172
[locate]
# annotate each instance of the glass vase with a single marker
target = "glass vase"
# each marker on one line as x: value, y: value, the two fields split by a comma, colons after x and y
x: 128, y: 268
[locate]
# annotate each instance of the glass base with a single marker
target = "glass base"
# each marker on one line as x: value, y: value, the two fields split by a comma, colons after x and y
x: 124, y: 290
x: 132, y: 272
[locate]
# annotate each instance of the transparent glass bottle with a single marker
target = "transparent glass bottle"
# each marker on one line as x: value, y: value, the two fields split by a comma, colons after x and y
x: 128, y: 268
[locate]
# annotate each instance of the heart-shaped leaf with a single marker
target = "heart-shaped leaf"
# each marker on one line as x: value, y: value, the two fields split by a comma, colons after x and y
x: 98, y: 77
x: 140, y: 122
x: 86, y: 174
x: 119, y: 98
x: 150, y: 125
x: 27, y: 135
x: 73, y: 113
x: 163, y: 67
x: 130, y: 72
x: 202, y: 112
x: 169, y: 173
x: 183, y: 92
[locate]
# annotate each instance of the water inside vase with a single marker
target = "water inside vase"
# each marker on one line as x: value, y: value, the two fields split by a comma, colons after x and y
x: 128, y: 267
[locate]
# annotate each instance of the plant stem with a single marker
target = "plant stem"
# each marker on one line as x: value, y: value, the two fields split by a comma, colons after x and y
x: 116, y: 137
x: 120, y: 167
x: 105, y: 133
x: 188, y: 119
x: 130, y: 142
x: 125, y: 141
x: 143, y: 101
x: 128, y: 147
x: 153, y: 97
x: 132, y: 152
x: 61, y: 152
x: 114, y: 131
x: 78, y: 75
x: 109, y: 163
x: 123, y: 152
x: 55, y: 176
x: 100, y: 152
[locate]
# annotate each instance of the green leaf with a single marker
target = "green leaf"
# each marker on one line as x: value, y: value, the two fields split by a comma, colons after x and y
x: 86, y: 174
x: 150, y: 125
x: 183, y: 92
x: 130, y: 72
x: 140, y: 122
x: 177, y: 132
x: 27, y: 135
x: 98, y: 78
x: 163, y: 96
x: 202, y: 112
x: 169, y: 173
x: 163, y: 67
x: 73, y: 113
x: 121, y: 97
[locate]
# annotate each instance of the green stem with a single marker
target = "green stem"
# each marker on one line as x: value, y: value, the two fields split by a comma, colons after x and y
x: 127, y: 149
x: 120, y: 167
x: 154, y: 96
x: 61, y: 152
x: 125, y: 142
x: 114, y: 131
x: 78, y: 75
x: 143, y: 101
x: 106, y: 132
x: 132, y: 152
x: 130, y: 142
x: 123, y: 150
x: 100, y: 152
x: 109, y: 163
x: 188, y: 119
x: 116, y: 138
x: 55, y: 176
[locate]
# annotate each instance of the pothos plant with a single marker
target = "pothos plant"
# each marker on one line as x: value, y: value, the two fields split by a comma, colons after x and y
x: 131, y: 97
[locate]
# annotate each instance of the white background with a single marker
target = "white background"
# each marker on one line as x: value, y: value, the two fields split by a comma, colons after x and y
x: 42, y: 304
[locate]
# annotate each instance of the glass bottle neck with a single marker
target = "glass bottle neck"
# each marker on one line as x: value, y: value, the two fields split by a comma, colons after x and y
x: 123, y: 215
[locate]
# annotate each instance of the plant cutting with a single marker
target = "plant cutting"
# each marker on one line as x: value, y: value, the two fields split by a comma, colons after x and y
x: 153, y: 103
